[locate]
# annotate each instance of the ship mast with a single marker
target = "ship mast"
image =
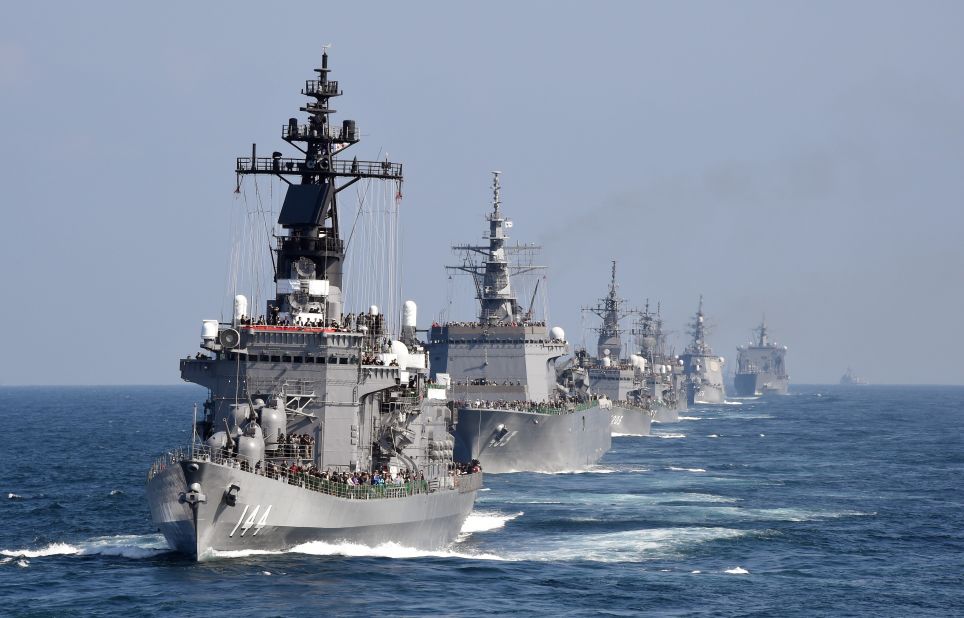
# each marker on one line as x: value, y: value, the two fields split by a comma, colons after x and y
x: 610, y: 310
x: 491, y: 275
x: 649, y: 333
x: 762, y: 342
x: 310, y: 257
x: 698, y: 330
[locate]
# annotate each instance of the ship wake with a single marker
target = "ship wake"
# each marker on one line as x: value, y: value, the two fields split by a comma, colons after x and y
x: 124, y: 546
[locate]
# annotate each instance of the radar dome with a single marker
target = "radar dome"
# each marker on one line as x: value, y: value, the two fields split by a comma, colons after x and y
x: 240, y: 307
x: 557, y: 333
x: 409, y: 313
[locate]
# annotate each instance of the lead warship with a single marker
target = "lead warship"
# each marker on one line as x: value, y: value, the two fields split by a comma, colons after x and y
x: 761, y: 368
x: 703, y: 369
x: 611, y: 375
x: 319, y: 426
x: 516, y: 410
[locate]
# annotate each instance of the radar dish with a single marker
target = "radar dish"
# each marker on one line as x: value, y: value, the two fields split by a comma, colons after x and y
x: 298, y: 301
x: 304, y: 268
x: 230, y: 338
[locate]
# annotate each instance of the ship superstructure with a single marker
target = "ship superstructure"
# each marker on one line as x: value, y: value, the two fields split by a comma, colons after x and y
x: 515, y: 411
x: 703, y: 369
x: 663, y: 382
x: 320, y: 424
x: 761, y: 367
x: 613, y: 376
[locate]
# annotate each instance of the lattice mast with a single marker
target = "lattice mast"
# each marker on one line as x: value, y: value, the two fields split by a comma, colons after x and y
x: 611, y: 311
x: 698, y: 330
x: 310, y: 256
x: 492, y: 274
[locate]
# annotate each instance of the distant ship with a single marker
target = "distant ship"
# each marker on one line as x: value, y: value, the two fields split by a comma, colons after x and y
x: 319, y: 426
x: 849, y: 379
x: 615, y: 377
x: 663, y: 379
x: 704, y: 370
x: 515, y: 410
x: 761, y: 367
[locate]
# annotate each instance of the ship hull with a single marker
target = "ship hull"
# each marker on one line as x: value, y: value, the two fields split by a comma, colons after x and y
x: 756, y: 384
x: 271, y: 514
x: 666, y: 414
x: 520, y: 441
x: 706, y: 394
x: 630, y: 421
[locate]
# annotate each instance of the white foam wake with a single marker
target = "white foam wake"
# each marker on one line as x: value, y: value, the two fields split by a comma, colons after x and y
x: 737, y: 571
x: 690, y: 418
x: 385, y: 550
x: 627, y: 546
x: 669, y: 436
x: 629, y: 435
x: 732, y: 403
x: 675, y: 469
x: 125, y: 545
x: 582, y: 471
x: 486, y: 522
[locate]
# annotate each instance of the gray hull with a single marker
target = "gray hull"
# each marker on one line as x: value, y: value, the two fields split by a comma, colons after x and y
x: 666, y: 414
x: 270, y: 514
x: 631, y: 421
x: 751, y: 384
x: 518, y: 441
x: 707, y: 394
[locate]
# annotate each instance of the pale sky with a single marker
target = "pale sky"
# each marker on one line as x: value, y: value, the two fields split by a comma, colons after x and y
x: 802, y: 159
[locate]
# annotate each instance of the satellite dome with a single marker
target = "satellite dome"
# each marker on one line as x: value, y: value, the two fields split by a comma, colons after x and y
x: 557, y: 333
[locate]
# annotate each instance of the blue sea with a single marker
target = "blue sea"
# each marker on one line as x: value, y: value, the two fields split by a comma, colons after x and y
x: 830, y: 501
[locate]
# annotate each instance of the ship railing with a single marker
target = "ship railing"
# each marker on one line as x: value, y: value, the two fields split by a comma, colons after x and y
x: 224, y: 457
x: 304, y: 131
x: 291, y: 165
x: 318, y: 87
x: 511, y: 406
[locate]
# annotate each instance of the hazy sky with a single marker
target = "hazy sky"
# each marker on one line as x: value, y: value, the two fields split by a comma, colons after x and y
x: 800, y: 159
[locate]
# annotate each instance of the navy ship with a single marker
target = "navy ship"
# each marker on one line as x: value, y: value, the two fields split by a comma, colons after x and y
x: 663, y: 381
x: 704, y: 370
x: 761, y: 368
x: 850, y: 379
x: 611, y: 375
x: 518, y: 408
x: 319, y: 425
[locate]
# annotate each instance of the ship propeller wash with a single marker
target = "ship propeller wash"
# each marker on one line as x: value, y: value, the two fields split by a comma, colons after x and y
x: 319, y: 425
x: 516, y: 409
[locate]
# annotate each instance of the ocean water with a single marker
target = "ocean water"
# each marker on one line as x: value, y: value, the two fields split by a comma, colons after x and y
x: 830, y: 501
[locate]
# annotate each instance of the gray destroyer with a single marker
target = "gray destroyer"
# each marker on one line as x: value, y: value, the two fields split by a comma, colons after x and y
x: 319, y: 425
x: 761, y: 368
x: 612, y: 376
x: 515, y: 410
x: 704, y: 370
x: 664, y: 383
